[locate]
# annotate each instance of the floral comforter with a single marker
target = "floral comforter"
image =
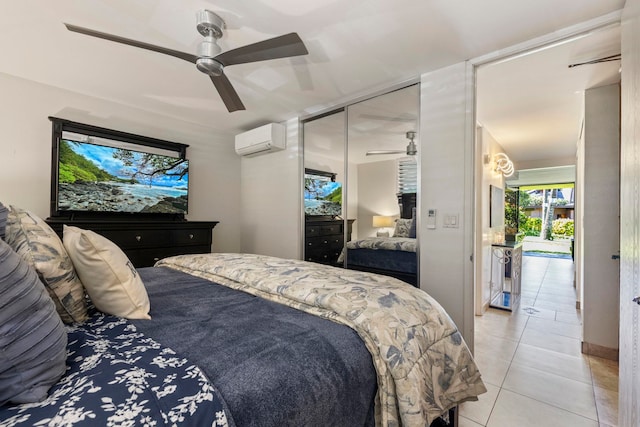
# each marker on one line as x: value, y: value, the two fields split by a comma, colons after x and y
x: 405, y: 244
x: 118, y: 377
x: 424, y: 368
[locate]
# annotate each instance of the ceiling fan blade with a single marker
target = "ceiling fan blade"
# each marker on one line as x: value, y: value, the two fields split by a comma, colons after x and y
x: 227, y: 93
x: 405, y: 118
x: 175, y: 53
x: 277, y: 47
x: 375, y: 152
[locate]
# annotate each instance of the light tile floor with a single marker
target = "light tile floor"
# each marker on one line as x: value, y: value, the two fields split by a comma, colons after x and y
x: 531, y: 362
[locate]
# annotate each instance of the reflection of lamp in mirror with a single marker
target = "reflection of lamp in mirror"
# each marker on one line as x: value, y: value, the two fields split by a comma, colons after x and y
x: 380, y: 222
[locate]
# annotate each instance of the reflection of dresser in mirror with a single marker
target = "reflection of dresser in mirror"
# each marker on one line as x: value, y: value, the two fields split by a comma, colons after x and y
x: 324, y: 239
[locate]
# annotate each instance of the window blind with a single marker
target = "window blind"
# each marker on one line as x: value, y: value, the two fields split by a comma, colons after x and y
x: 407, y: 175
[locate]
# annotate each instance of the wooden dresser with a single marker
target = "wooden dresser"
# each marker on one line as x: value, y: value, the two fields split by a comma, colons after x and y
x: 146, y: 242
x: 324, y: 239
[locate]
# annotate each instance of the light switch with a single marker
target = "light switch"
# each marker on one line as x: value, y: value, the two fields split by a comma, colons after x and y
x: 451, y: 220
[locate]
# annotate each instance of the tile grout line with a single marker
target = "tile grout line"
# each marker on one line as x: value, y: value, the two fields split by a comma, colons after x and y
x: 507, y: 373
x: 519, y: 342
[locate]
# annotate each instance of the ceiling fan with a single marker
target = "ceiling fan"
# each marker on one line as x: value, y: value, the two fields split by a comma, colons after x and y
x: 411, y: 150
x: 209, y: 60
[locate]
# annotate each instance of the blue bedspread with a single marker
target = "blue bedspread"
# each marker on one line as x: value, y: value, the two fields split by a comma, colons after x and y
x: 275, y: 366
x: 118, y: 377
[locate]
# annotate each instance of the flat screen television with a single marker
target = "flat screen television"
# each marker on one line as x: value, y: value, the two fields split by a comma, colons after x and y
x: 93, y: 178
x: 322, y: 196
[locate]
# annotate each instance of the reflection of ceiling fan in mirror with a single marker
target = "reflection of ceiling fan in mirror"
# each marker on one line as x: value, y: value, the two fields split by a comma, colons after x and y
x: 403, y: 118
x: 209, y: 60
x: 411, y: 150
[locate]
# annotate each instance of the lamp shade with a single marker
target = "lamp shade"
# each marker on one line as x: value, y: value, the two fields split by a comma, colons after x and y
x: 380, y: 221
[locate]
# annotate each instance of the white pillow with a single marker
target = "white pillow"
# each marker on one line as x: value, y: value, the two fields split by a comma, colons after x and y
x: 110, y: 279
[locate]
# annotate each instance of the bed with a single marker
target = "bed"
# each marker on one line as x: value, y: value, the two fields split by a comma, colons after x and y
x: 247, y: 340
x: 391, y: 256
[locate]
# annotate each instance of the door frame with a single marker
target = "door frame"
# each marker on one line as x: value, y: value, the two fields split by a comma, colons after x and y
x: 522, y: 49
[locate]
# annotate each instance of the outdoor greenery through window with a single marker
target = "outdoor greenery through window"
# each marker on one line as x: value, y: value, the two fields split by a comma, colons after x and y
x: 541, y: 211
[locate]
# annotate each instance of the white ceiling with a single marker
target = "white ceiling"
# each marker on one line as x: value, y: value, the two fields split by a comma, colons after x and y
x: 355, y: 47
x: 533, y: 105
x: 377, y: 123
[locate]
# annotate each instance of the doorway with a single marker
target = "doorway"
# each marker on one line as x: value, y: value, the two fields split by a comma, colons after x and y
x: 512, y: 109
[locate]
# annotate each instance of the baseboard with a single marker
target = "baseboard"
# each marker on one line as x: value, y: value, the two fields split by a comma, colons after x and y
x: 600, y: 351
x: 485, y: 306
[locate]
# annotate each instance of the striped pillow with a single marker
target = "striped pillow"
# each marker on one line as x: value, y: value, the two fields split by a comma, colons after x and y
x: 33, y: 338
x: 3, y: 220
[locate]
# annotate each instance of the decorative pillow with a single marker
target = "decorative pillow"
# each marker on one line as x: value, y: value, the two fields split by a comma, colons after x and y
x: 402, y: 227
x: 111, y: 280
x: 3, y: 220
x: 37, y: 243
x: 33, y: 340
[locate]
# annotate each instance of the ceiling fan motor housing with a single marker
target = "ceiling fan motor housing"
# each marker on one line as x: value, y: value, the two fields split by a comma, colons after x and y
x: 210, y: 26
x: 412, y: 149
x: 207, y: 50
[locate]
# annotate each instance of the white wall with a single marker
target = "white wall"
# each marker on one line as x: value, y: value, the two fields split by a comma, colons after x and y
x: 601, y: 232
x: 485, y: 174
x: 272, y: 200
x: 25, y: 151
x: 629, y: 389
x: 578, y: 225
x: 376, y: 194
x: 446, y: 184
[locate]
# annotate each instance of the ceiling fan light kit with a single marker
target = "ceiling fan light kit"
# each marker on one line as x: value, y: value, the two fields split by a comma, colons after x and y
x: 209, y: 60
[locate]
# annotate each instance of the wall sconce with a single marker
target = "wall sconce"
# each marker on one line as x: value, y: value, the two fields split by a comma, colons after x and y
x: 380, y: 222
x: 502, y: 164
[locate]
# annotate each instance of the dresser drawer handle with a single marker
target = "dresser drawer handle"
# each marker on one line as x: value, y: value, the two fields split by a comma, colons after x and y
x: 191, y: 236
x: 138, y: 238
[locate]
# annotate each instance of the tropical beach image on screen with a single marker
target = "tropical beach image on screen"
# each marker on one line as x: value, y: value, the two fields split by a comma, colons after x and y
x: 322, y: 197
x: 106, y: 179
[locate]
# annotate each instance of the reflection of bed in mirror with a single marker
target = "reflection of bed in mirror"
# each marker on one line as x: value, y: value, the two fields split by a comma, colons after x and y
x: 392, y: 256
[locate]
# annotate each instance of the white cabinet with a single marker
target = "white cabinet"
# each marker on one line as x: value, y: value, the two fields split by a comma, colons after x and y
x: 506, y: 269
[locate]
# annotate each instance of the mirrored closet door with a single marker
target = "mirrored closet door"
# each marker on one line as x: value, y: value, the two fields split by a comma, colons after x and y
x: 364, y: 157
x: 324, y: 182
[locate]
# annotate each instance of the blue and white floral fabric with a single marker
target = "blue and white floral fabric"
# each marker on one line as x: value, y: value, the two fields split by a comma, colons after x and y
x: 118, y: 377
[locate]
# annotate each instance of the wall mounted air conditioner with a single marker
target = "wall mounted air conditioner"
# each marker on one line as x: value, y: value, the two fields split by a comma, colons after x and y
x: 260, y: 140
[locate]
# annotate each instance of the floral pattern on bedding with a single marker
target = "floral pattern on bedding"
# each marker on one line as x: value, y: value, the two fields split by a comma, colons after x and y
x: 118, y: 377
x: 423, y: 365
x: 405, y: 244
